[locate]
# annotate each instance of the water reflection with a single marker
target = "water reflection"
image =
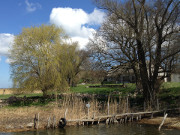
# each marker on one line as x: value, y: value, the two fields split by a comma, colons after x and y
x: 123, y: 129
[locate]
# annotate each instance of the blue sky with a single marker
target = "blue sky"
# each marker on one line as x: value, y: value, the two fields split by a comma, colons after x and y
x: 79, y: 18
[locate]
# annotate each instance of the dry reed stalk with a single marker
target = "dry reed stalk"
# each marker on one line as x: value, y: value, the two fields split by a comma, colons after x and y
x: 75, y: 105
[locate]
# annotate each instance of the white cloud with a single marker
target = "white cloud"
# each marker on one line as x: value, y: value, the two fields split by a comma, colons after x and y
x: 96, y: 17
x: 6, y: 40
x: 31, y: 7
x: 82, y: 41
x: 77, y: 23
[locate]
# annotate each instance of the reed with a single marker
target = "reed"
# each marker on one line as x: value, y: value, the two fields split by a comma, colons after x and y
x: 76, y: 106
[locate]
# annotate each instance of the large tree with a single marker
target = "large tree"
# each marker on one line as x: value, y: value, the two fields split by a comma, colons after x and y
x: 140, y: 32
x: 40, y: 59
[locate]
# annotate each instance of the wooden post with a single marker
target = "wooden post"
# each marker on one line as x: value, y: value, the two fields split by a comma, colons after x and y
x: 151, y: 115
x: 38, y: 121
x: 137, y: 118
x: 49, y: 122
x: 65, y: 113
x: 107, y: 121
x: 99, y: 120
x: 54, y: 121
x: 125, y: 120
x: 120, y: 121
x: 88, y: 112
x: 35, y: 122
x: 162, y: 122
x: 127, y: 105
x: 108, y: 104
x: 88, y: 106
x: 132, y: 118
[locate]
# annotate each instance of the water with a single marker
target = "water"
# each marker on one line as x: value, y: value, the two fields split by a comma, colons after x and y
x: 123, y: 129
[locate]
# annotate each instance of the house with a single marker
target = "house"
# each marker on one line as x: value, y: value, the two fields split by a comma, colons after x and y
x: 124, y: 74
x: 120, y: 74
x: 175, y: 75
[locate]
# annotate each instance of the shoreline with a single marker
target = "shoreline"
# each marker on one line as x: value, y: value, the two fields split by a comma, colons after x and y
x: 170, y: 123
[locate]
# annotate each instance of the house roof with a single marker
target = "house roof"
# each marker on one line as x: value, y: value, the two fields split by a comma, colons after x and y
x: 120, y: 70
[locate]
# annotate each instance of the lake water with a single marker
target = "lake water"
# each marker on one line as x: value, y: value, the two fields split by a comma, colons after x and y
x: 102, y: 129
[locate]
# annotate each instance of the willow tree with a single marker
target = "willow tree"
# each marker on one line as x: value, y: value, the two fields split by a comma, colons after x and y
x: 36, y: 59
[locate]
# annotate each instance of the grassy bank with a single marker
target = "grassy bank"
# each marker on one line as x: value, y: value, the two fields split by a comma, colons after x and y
x: 170, y: 89
x: 169, y: 93
x: 167, y: 89
x: 129, y: 88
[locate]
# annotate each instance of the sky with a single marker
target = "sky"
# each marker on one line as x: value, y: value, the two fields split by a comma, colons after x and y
x: 79, y: 19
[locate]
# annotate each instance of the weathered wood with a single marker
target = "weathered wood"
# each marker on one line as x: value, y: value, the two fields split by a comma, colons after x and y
x: 137, y: 118
x: 108, y: 104
x: 125, y: 119
x: 127, y: 104
x: 65, y: 113
x: 54, y: 122
x: 122, y: 118
x: 162, y: 122
x: 107, y: 121
x: 99, y: 119
x: 38, y: 121
x: 152, y: 115
x: 132, y: 117
x: 49, y: 122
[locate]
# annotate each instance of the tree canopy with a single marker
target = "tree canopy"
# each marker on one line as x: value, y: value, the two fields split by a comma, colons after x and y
x: 142, y: 33
x: 43, y: 58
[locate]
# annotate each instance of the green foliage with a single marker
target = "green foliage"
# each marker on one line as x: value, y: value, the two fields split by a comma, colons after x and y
x: 42, y: 58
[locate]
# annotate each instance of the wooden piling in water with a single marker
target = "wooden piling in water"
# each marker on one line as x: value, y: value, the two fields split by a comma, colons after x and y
x: 118, y: 118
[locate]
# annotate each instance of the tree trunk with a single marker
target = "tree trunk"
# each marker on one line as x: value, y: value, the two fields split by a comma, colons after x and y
x: 44, y: 92
x: 147, y: 85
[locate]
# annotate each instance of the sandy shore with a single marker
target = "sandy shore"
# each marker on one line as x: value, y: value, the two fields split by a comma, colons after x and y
x: 171, y: 122
x: 22, y: 118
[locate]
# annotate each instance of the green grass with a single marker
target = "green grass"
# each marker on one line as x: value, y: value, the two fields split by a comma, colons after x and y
x: 170, y: 89
x: 103, y: 90
x: 20, y: 95
x: 167, y: 89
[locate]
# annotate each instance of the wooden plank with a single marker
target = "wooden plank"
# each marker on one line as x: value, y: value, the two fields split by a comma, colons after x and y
x: 118, y: 117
